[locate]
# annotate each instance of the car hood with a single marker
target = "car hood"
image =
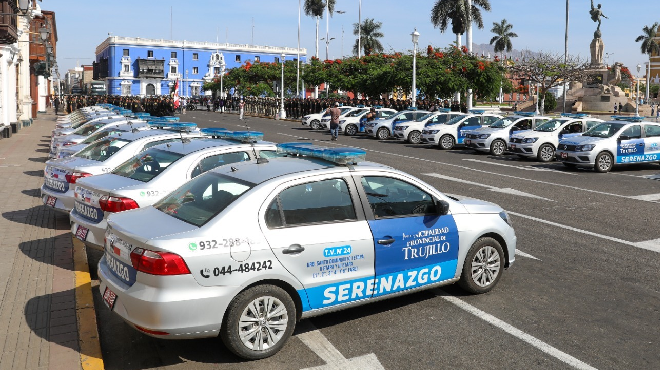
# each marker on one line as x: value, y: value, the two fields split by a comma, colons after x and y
x: 476, y: 206
x: 581, y: 140
x: 148, y: 223
x: 532, y: 133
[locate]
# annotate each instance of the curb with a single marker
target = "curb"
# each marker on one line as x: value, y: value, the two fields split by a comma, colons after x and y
x: 91, y: 357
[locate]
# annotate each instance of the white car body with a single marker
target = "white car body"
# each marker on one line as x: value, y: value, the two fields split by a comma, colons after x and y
x: 452, y: 133
x: 495, y: 138
x: 411, y: 131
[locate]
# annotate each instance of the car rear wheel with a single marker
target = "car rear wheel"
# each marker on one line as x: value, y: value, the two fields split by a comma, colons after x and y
x: 350, y: 130
x: 546, y: 153
x: 315, y: 125
x: 604, y: 162
x: 258, y: 322
x: 483, y: 266
x: 415, y: 137
x: 446, y: 142
x: 497, y: 147
x: 383, y: 133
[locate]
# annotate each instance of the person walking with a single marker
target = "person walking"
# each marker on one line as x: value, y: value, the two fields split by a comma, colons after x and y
x: 241, y: 109
x: 615, y: 108
x: 334, y: 113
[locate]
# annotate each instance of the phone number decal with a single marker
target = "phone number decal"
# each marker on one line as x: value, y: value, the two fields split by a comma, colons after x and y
x: 243, y: 267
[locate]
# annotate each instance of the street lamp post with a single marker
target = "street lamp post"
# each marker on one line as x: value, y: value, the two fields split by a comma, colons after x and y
x: 639, y: 67
x: 222, y: 75
x: 184, y: 85
x: 415, y: 39
x: 282, y: 111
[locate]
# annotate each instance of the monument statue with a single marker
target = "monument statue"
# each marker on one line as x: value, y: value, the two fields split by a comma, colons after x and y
x: 616, y: 68
x: 596, y: 14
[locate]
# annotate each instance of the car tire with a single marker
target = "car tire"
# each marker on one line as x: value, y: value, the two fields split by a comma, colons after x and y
x: 483, y: 266
x: 497, y: 147
x: 604, y: 162
x: 234, y: 328
x: 315, y: 125
x: 382, y: 133
x: 546, y: 153
x: 350, y: 130
x: 415, y: 137
x: 446, y: 142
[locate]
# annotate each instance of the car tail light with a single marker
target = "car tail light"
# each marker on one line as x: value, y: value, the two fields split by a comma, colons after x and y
x: 149, y: 331
x: 158, y: 263
x: 71, y: 178
x: 117, y: 204
x: 68, y: 143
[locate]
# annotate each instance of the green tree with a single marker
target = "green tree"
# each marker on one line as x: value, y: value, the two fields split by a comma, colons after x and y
x: 649, y: 45
x: 503, y: 35
x: 456, y: 12
x: 316, y: 8
x: 550, y: 103
x: 369, y: 34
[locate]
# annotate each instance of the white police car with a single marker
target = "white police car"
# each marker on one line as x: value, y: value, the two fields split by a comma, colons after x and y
x: 411, y: 131
x: 541, y: 142
x: 69, y: 148
x: 314, y: 120
x: 82, y: 132
x: 154, y: 173
x: 382, y: 129
x: 623, y: 140
x: 325, y: 121
x: 253, y: 247
x: 495, y: 138
x: 67, y: 128
x: 102, y: 156
x: 354, y: 122
x: 452, y: 133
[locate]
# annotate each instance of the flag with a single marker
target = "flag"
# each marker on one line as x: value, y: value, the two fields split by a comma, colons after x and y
x: 176, y: 94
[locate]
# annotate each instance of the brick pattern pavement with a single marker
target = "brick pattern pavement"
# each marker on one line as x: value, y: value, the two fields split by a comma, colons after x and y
x: 38, y: 327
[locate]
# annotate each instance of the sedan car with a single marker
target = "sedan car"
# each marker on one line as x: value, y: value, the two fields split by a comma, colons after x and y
x: 452, y: 133
x: 253, y: 247
x: 623, y: 140
x: 78, y: 135
x: 150, y: 175
x: 541, y: 142
x: 102, y: 156
x: 68, y: 149
x: 354, y: 122
x: 411, y: 131
x: 382, y: 129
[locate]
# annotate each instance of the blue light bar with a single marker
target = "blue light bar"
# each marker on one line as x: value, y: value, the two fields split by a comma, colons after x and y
x: 629, y: 118
x: 444, y: 110
x: 477, y: 111
x: 377, y: 106
x: 172, y: 125
x: 142, y: 114
x: 359, y: 106
x: 525, y: 114
x: 335, y: 155
x: 214, y: 131
x: 245, y: 136
x: 412, y: 108
x: 575, y: 115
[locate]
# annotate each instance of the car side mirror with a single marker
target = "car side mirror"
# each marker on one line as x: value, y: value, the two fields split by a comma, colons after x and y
x: 442, y: 207
x: 624, y: 137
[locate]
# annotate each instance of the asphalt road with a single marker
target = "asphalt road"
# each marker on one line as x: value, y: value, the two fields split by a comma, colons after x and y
x: 584, y: 292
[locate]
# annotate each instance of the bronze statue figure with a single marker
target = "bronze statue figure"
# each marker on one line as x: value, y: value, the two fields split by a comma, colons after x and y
x: 596, y: 14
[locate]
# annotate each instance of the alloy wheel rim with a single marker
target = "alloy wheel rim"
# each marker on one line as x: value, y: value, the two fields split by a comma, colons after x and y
x: 604, y: 162
x: 498, y: 148
x: 485, y: 266
x: 546, y: 153
x: 263, y: 323
x: 447, y: 142
x: 415, y: 137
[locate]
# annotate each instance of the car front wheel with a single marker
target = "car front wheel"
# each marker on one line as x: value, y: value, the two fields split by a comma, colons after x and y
x: 382, y: 133
x: 415, y: 137
x: 315, y: 125
x: 497, y: 147
x: 350, y: 130
x: 546, y: 153
x: 447, y: 142
x: 604, y: 162
x: 483, y: 266
x: 258, y: 322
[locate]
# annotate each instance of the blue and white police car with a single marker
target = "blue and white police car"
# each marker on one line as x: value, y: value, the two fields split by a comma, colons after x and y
x: 541, y: 142
x: 325, y: 121
x: 382, y: 129
x: 83, y: 132
x: 68, y: 148
x: 495, y: 138
x: 255, y: 246
x: 150, y: 175
x: 452, y: 133
x: 102, y: 156
x: 623, y: 140
x: 411, y: 131
x: 354, y: 122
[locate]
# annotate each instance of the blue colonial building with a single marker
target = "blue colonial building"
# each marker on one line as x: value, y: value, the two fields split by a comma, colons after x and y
x: 137, y: 66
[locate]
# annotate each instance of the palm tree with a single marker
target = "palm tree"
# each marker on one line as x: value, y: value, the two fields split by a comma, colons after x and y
x: 315, y: 8
x: 503, y: 35
x: 456, y: 11
x: 649, y: 45
x: 370, y: 34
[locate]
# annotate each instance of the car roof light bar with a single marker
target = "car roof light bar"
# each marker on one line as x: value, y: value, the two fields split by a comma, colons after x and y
x: 444, y: 110
x: 181, y: 126
x: 575, y: 115
x: 629, y: 118
x: 343, y: 156
x: 525, y: 114
x: 477, y: 111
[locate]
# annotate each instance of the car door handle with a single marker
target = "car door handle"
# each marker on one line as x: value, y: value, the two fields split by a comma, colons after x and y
x: 386, y: 241
x: 293, y: 249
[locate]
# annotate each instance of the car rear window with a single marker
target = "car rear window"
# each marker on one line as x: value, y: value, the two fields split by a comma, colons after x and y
x: 102, y: 149
x: 147, y: 165
x: 201, y: 199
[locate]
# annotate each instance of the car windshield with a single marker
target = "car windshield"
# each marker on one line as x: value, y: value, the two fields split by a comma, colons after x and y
x: 503, y: 122
x: 550, y: 126
x: 87, y: 129
x: 147, y: 165
x: 357, y: 113
x: 102, y: 149
x: 455, y: 120
x: 201, y: 199
x: 424, y: 117
x: 606, y: 129
x: 99, y: 135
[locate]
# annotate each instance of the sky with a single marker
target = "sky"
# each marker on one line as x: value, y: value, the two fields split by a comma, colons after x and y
x: 540, y: 25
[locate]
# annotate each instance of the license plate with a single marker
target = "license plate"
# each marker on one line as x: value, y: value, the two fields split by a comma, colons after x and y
x: 513, y: 146
x: 564, y: 155
x: 51, y: 201
x: 468, y: 142
x: 109, y: 298
x: 81, y: 232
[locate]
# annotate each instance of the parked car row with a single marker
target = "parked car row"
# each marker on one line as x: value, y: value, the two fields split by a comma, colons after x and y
x: 252, y: 236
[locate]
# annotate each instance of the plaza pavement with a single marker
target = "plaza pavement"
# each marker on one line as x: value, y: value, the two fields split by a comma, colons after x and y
x: 47, y: 318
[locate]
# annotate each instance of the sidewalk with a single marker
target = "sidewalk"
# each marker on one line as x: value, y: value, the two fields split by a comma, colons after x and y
x: 45, y: 303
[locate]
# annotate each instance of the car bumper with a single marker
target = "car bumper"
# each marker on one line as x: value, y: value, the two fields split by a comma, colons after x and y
x: 177, y: 305
x: 63, y: 201
x: 94, y: 238
x: 478, y: 144
x: 578, y: 158
x: 399, y: 135
x: 522, y: 149
x: 429, y: 139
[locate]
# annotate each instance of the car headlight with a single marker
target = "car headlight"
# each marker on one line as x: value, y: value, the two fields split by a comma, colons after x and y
x: 585, y: 148
x: 401, y: 128
x: 342, y: 122
x: 433, y: 132
x: 506, y: 218
x: 484, y: 136
x: 530, y: 140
